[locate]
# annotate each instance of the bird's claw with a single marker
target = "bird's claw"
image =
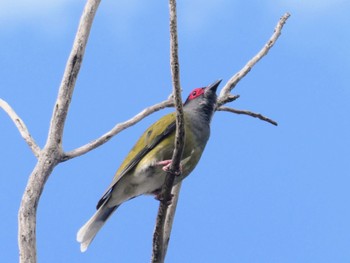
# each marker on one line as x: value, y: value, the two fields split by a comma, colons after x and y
x: 166, y: 166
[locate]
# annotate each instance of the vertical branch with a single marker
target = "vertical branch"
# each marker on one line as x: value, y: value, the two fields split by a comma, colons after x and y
x: 165, y: 216
x: 51, y: 155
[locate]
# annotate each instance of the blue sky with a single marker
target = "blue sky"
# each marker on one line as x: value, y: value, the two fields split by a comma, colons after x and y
x: 259, y: 194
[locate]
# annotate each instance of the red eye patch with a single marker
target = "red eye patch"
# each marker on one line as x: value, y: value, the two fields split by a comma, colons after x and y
x: 196, y: 93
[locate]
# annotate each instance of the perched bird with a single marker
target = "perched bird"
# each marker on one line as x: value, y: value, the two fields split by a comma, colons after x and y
x: 143, y: 170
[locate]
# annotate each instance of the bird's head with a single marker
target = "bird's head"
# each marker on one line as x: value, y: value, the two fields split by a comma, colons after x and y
x: 203, y: 100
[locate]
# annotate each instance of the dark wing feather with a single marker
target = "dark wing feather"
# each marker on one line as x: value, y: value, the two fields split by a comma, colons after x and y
x: 147, y: 142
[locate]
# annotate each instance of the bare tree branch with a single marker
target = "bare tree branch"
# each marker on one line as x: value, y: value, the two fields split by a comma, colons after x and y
x: 249, y: 113
x: 51, y: 155
x: 71, y: 73
x: 22, y: 128
x: 169, y: 217
x: 225, y: 92
x: 164, y: 217
x: 116, y: 129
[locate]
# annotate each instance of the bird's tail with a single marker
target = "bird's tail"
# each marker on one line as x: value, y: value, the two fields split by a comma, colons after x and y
x: 88, y: 231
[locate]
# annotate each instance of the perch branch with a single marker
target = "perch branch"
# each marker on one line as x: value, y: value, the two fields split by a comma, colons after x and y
x: 165, y: 217
x: 249, y: 113
x: 225, y: 92
x: 116, y: 129
x: 22, y: 128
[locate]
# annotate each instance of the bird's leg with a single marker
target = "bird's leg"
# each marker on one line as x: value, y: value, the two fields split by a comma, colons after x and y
x: 166, y: 166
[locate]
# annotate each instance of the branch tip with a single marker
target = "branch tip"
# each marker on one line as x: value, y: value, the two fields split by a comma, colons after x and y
x: 231, y: 84
x: 249, y: 113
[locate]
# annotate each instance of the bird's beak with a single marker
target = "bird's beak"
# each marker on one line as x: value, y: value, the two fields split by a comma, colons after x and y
x: 213, y: 87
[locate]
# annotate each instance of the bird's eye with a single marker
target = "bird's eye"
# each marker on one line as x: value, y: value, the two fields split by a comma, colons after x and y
x: 196, y: 93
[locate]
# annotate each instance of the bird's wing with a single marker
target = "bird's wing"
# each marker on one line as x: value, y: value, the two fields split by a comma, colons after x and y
x: 150, y: 139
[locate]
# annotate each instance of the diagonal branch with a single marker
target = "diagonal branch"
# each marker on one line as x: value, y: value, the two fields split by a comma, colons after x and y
x: 22, y: 128
x: 71, y: 73
x: 165, y: 217
x: 249, y: 113
x: 116, y: 129
x: 225, y: 92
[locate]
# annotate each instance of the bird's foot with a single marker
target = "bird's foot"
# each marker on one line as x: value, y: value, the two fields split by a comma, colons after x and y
x: 166, y: 166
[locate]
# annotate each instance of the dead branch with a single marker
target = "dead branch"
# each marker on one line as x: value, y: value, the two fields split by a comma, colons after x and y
x: 116, y: 129
x: 22, y: 128
x: 169, y: 217
x: 249, y: 113
x: 225, y: 92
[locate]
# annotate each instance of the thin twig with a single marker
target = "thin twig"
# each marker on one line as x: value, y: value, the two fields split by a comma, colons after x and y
x: 22, y: 128
x: 249, y: 113
x: 160, y: 242
x: 116, y: 129
x: 222, y: 99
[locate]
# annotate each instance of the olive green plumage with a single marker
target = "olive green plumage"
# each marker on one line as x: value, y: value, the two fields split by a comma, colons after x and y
x: 142, y: 170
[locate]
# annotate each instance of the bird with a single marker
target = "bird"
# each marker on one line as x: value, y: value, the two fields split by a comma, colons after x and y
x: 144, y: 169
